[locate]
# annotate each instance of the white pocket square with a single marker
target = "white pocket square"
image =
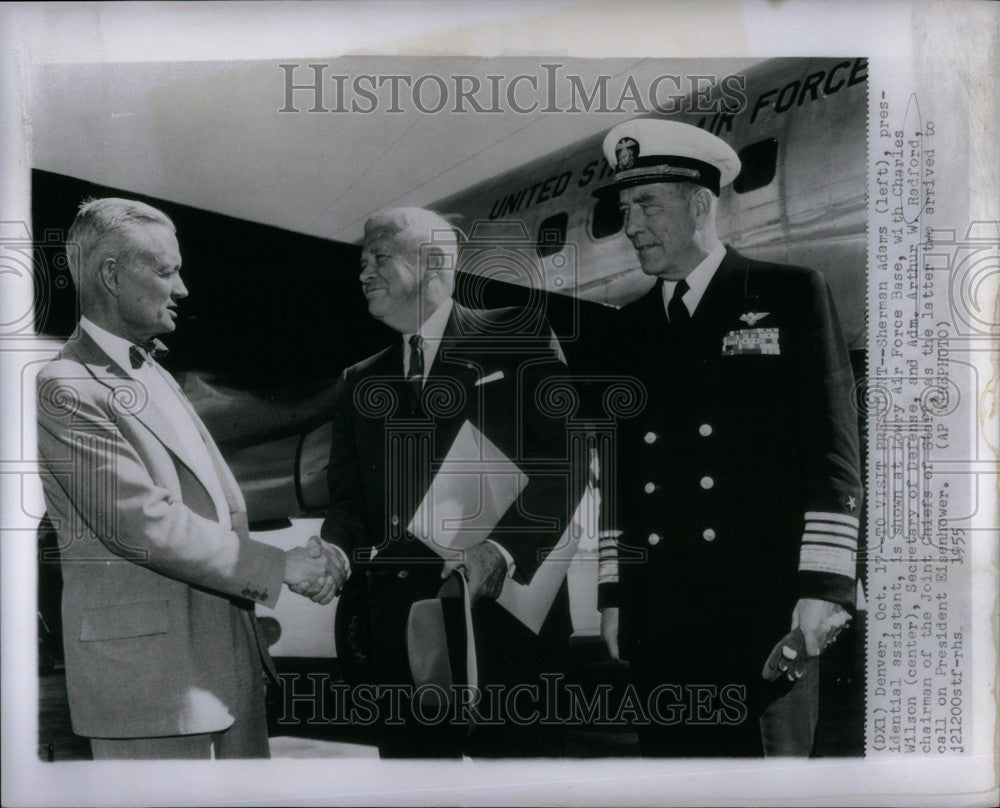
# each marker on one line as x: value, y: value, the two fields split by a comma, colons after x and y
x: 491, y: 378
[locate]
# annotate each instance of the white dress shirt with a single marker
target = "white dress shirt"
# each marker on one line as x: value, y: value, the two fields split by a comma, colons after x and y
x: 431, y: 333
x: 164, y: 394
x: 698, y: 281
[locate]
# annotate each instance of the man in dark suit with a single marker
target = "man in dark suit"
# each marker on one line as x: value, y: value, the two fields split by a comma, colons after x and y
x: 397, y: 416
x: 738, y: 489
x: 164, y: 657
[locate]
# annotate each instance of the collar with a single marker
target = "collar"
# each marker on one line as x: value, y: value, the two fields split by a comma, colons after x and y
x: 433, y: 327
x: 698, y: 279
x: 432, y: 332
x: 114, y: 346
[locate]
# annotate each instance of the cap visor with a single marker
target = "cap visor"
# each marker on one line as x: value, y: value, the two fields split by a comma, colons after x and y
x: 615, y: 186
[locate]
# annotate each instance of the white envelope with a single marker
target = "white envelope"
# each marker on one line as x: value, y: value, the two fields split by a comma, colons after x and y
x: 473, y: 489
x: 530, y: 603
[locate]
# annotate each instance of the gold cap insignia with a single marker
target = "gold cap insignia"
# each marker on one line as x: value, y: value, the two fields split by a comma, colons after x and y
x: 626, y: 151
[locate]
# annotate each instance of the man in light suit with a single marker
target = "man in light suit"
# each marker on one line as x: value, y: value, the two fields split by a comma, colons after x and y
x: 397, y: 415
x: 164, y: 657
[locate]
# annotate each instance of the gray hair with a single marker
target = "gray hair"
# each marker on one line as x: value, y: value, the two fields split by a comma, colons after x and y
x: 103, y: 221
x: 417, y: 228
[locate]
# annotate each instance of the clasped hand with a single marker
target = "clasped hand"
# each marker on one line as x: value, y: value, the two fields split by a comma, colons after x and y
x: 315, y: 571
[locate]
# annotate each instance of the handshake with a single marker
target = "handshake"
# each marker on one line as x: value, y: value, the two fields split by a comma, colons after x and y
x: 316, y: 571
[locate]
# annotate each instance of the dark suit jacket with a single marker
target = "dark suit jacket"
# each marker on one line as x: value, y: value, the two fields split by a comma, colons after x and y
x: 383, y: 457
x: 158, y: 622
x: 736, y: 469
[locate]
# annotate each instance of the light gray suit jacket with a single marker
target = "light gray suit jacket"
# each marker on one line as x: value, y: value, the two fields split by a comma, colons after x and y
x: 158, y: 596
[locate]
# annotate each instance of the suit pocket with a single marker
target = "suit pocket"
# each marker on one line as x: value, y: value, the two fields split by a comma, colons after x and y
x: 125, y: 620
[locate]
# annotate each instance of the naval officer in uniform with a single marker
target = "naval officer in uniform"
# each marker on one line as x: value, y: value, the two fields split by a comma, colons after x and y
x: 737, y: 489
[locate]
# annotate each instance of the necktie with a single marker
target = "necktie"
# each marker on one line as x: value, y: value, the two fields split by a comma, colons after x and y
x: 415, y: 378
x: 139, y: 354
x: 677, y: 312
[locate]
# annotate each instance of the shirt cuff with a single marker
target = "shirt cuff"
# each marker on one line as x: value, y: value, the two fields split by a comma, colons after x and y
x: 607, y: 566
x: 829, y: 544
x: 511, y: 566
x: 828, y: 557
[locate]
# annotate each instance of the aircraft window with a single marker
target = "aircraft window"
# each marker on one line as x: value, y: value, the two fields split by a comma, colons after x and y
x: 760, y: 161
x: 552, y: 234
x: 608, y: 218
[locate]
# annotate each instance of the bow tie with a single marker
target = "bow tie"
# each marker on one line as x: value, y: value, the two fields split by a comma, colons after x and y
x: 139, y: 354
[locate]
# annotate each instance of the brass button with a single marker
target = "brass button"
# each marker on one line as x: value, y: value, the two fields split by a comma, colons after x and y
x: 394, y: 520
x: 403, y: 575
x: 650, y: 437
x: 654, y: 539
x: 707, y: 482
x: 705, y: 430
x: 649, y: 488
x: 708, y: 534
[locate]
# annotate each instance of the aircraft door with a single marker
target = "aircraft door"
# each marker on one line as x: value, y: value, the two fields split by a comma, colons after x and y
x: 311, y: 458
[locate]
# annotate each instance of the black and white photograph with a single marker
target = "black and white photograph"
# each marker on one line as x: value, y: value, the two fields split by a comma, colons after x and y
x: 406, y: 413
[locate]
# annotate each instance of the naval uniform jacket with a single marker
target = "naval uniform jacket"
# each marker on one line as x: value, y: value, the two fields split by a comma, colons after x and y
x: 737, y: 486
x: 488, y: 370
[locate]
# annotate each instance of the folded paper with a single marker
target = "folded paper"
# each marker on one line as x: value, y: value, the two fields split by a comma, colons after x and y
x: 470, y: 493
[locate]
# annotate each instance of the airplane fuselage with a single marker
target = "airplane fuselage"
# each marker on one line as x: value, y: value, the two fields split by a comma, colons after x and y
x: 800, y: 199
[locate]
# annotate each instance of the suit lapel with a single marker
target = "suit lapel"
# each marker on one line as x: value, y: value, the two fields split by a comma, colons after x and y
x: 385, y: 372
x: 651, y: 307
x: 726, y: 288
x: 718, y: 306
x: 106, y: 371
x: 457, y: 365
x: 389, y: 370
x: 453, y: 359
x: 231, y: 488
x: 648, y: 317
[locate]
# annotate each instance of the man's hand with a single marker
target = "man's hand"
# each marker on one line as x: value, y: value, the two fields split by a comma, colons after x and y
x: 815, y: 624
x: 315, y: 571
x: 609, y: 630
x: 820, y: 621
x: 485, y: 570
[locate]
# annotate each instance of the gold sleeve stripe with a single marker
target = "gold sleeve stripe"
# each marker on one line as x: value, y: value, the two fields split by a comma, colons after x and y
x: 826, y: 516
x: 830, y: 527
x: 607, y: 564
x: 825, y: 538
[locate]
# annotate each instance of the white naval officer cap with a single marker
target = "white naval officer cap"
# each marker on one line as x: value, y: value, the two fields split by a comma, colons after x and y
x: 646, y: 150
